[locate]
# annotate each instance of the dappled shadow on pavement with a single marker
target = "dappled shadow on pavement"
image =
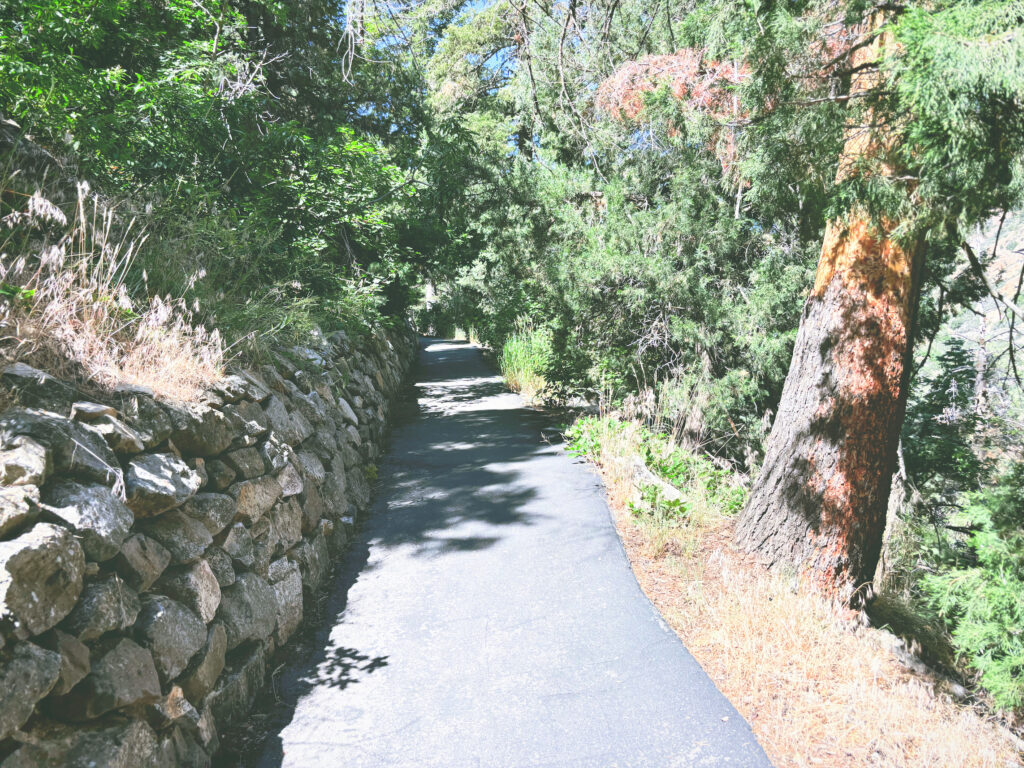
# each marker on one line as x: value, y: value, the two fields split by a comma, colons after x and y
x: 451, y: 484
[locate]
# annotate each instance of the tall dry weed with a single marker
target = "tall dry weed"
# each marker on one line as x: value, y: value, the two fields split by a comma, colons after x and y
x: 68, y: 306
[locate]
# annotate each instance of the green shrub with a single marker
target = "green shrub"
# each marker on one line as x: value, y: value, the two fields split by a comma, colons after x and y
x: 525, y: 356
x: 981, y: 593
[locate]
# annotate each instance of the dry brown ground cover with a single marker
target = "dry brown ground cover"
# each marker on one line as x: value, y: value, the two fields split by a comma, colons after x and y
x: 818, y: 689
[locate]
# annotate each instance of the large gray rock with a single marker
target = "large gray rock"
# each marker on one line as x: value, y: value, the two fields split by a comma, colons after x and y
x: 213, y: 510
x: 100, y: 518
x: 36, y: 388
x: 264, y: 545
x: 24, y: 461
x: 184, y: 537
x: 301, y: 428
x: 220, y: 475
x: 248, y: 418
x: 335, y: 493
x: 286, y: 518
x: 220, y: 563
x: 195, y: 586
x: 286, y: 581
x: 171, y: 632
x: 322, y: 444
x: 291, y: 427
x: 236, y: 541
x: 157, y: 482
x: 313, y: 508
x: 123, y: 745
x: 255, y: 498
x: 179, y: 746
x: 19, y: 506
x: 246, y: 462
x: 232, y: 698
x: 290, y: 480
x: 313, y: 559
x: 105, y: 606
x: 26, y: 676
x: 243, y: 384
x: 145, y: 416
x: 122, y: 439
x: 275, y: 452
x: 122, y: 675
x: 199, y: 430
x: 40, y: 577
x: 75, y: 449
x: 248, y: 610
x: 311, y: 466
x: 201, y: 675
x: 74, y: 659
x: 141, y: 561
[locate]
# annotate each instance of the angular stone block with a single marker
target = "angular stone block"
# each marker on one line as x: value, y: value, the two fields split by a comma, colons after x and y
x: 290, y: 480
x: 74, y: 659
x: 236, y: 541
x: 24, y: 461
x: 105, y: 606
x: 141, y: 561
x: 75, y: 450
x: 194, y: 586
x: 184, y: 537
x: 171, y: 632
x: 248, y: 610
x: 40, y: 577
x: 19, y: 507
x: 201, y: 675
x: 100, y: 518
x: 214, y: 510
x: 26, y: 676
x: 122, y: 675
x: 286, y: 517
x: 199, y: 430
x: 220, y: 564
x: 254, y: 498
x: 246, y: 462
x: 220, y: 475
x: 157, y: 482
x: 232, y: 698
x: 287, y: 586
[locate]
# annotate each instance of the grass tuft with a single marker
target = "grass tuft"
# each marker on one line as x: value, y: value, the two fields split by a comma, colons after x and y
x: 524, y: 358
x: 66, y: 304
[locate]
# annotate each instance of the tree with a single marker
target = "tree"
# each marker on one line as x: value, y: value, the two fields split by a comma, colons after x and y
x: 819, y: 501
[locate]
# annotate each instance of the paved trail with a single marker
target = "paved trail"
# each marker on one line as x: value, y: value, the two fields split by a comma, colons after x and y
x: 486, y: 615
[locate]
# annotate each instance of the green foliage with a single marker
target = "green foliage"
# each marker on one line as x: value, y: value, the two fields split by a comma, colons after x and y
x: 694, y: 474
x: 980, y: 593
x: 525, y: 356
x: 278, y: 169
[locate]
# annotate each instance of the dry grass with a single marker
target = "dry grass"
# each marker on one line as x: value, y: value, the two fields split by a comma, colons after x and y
x: 818, y: 690
x: 74, y: 315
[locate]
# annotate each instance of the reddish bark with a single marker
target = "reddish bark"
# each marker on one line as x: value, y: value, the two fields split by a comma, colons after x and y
x: 820, y: 500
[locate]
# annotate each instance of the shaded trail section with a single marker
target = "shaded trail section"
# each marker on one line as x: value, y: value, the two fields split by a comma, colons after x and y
x: 486, y: 614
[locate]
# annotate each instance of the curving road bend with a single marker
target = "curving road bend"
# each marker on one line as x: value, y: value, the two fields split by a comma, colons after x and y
x: 486, y: 614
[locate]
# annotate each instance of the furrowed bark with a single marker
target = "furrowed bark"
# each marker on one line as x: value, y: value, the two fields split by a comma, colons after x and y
x: 820, y: 501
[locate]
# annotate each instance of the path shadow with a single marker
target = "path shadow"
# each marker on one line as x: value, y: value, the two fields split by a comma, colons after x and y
x: 450, y: 485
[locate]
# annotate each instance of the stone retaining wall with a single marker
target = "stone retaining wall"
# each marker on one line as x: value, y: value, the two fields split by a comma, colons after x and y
x: 153, y: 555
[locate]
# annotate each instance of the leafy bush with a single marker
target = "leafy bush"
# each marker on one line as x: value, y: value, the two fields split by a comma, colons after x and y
x: 980, y: 593
x: 705, y: 487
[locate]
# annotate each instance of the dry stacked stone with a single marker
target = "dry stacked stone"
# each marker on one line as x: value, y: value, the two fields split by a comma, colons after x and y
x: 153, y: 555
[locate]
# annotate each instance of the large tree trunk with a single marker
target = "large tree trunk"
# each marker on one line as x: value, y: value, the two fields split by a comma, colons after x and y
x: 819, y: 503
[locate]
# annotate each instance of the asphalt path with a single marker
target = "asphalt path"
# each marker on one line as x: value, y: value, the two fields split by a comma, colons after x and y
x: 486, y: 614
